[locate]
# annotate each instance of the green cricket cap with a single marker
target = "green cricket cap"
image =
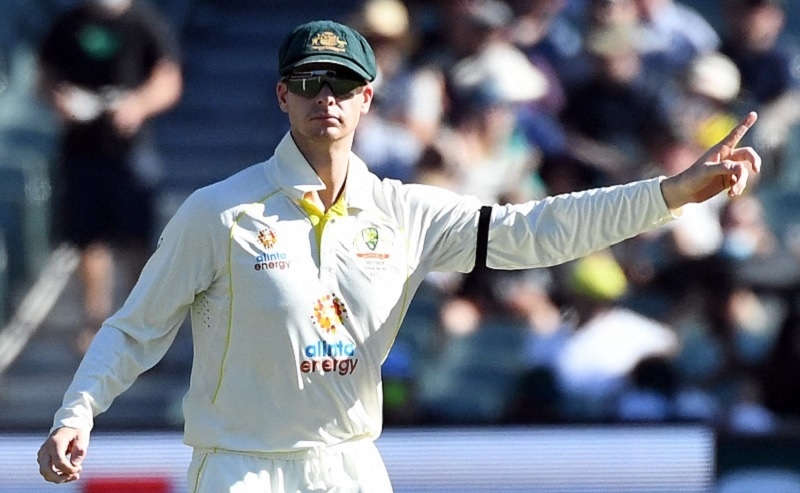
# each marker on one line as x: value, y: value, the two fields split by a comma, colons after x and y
x: 327, y: 42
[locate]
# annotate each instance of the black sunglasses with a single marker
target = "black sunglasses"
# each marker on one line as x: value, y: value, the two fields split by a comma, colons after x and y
x: 309, y: 84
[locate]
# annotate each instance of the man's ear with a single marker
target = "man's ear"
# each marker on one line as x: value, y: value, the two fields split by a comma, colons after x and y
x: 368, y: 94
x: 281, y: 92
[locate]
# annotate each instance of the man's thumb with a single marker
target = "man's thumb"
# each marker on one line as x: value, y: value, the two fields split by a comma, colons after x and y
x: 79, y: 448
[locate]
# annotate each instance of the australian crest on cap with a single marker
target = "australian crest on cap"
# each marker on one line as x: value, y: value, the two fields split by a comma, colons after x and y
x: 328, y: 40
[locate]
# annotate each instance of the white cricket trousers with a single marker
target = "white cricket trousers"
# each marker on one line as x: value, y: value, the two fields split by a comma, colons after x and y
x: 354, y: 467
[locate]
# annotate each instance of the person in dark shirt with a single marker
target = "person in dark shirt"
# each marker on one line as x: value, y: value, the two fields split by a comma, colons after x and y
x: 107, y: 67
x: 610, y: 116
x: 758, y: 43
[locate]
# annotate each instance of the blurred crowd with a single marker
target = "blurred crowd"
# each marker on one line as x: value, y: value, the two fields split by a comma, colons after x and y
x: 509, y: 101
x: 522, y: 99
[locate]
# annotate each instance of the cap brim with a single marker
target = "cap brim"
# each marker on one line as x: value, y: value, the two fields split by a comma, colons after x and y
x: 327, y: 59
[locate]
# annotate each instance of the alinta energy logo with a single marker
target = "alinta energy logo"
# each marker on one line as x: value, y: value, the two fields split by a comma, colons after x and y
x: 267, y: 237
x: 324, y: 356
x: 270, y: 260
x: 329, y: 313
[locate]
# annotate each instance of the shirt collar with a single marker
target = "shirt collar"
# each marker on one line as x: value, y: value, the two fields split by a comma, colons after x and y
x: 295, y: 175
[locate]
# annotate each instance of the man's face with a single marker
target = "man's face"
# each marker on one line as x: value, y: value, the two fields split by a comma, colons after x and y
x: 613, y: 12
x: 318, y: 107
x: 757, y: 27
x: 619, y: 69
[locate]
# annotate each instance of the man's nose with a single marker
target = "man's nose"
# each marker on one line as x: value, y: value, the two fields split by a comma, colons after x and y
x: 325, y: 94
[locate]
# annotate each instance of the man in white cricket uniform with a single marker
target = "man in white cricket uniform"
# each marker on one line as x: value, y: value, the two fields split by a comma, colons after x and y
x: 297, y: 273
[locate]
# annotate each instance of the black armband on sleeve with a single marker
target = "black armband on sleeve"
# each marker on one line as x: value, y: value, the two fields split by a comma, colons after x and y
x: 483, y: 236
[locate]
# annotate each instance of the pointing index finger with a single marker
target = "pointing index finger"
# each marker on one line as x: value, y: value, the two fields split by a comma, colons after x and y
x: 741, y: 129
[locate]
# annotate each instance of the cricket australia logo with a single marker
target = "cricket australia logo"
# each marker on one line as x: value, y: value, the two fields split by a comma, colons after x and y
x: 328, y: 41
x: 370, y: 237
x: 329, y: 313
x: 366, y: 244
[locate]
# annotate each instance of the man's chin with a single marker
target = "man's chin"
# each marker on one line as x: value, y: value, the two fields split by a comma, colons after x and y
x: 327, y: 132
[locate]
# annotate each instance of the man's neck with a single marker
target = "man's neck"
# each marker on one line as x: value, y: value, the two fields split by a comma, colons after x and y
x: 330, y: 162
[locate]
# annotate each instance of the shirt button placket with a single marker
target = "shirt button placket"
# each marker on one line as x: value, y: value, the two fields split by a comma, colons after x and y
x: 327, y: 256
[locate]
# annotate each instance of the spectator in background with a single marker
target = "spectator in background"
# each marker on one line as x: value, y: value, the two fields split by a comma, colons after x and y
x: 672, y: 35
x: 730, y: 335
x: 710, y: 85
x: 745, y: 230
x: 493, y: 160
x: 600, y: 13
x: 609, y: 117
x: 650, y: 395
x: 778, y: 374
x: 552, y: 45
x: 552, y: 42
x: 481, y: 140
x: 609, y: 339
x: 756, y: 42
x: 748, y: 412
x: 462, y: 28
x: 653, y: 261
x: 754, y: 307
x: 527, y: 298
x: 107, y: 67
x: 409, y: 100
x: 702, y: 114
x: 499, y: 338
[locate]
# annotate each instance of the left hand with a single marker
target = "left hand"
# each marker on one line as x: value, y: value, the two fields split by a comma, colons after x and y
x: 723, y: 167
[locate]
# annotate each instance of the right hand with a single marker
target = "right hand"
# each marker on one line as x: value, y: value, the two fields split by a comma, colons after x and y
x: 61, y: 455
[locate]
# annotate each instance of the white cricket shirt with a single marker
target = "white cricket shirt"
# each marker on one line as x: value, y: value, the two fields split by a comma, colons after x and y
x: 290, y: 322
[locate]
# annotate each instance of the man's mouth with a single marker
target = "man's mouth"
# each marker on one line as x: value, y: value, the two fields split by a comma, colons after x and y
x: 325, y: 116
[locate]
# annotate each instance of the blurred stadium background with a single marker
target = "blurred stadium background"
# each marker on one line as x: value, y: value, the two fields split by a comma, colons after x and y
x: 226, y: 120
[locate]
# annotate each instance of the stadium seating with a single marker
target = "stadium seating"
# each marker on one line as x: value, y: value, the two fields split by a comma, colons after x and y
x: 24, y: 211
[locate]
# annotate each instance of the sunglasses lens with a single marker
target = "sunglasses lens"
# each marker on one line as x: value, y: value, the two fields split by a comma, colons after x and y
x: 310, y: 85
x: 343, y: 87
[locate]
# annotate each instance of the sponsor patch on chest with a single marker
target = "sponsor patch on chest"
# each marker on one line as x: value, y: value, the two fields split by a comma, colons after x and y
x: 273, y: 258
x: 373, y: 249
